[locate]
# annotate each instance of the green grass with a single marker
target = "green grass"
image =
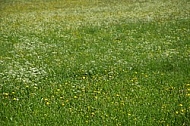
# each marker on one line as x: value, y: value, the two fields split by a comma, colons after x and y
x: 93, y: 63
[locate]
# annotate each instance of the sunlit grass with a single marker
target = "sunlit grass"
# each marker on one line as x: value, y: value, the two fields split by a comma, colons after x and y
x: 94, y: 62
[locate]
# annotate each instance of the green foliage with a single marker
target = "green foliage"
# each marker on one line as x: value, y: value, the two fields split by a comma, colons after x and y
x: 94, y: 63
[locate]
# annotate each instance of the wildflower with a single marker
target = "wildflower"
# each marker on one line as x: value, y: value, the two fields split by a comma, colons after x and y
x: 35, y: 87
x: 176, y: 112
x: 182, y: 111
x: 47, y: 103
x: 15, y: 99
x: 187, y: 84
x: 5, y: 94
x: 187, y: 94
x: 117, y: 95
x: 92, y: 113
x: 180, y: 105
x: 62, y: 104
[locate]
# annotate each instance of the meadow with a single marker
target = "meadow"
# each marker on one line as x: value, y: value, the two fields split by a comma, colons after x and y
x: 95, y: 63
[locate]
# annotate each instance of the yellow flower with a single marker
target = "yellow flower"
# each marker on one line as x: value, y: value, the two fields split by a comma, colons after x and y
x: 182, y: 111
x: 187, y: 84
x: 92, y: 113
x: 188, y: 94
x: 15, y: 99
x: 47, y: 103
x: 5, y: 94
x: 180, y: 105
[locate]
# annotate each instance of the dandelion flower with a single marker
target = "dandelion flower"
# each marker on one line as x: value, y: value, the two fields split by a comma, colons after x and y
x: 47, y: 103
x: 15, y: 99
x: 180, y: 105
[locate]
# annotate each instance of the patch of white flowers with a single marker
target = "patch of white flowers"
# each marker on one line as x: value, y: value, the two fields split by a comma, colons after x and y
x: 22, y: 68
x: 26, y: 72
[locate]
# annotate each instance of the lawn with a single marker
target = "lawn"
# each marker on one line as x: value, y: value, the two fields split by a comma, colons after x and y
x: 95, y: 63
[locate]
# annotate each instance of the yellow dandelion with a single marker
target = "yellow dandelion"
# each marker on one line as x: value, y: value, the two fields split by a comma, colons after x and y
x: 187, y: 84
x: 92, y: 113
x: 5, y: 94
x: 176, y: 112
x: 15, y: 99
x: 180, y: 105
x: 35, y: 87
x: 45, y: 99
x: 182, y: 111
x: 187, y: 94
x: 62, y: 104
x: 75, y: 96
x: 47, y: 103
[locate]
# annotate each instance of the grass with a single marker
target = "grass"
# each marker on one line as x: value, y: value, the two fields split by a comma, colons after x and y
x: 94, y: 63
